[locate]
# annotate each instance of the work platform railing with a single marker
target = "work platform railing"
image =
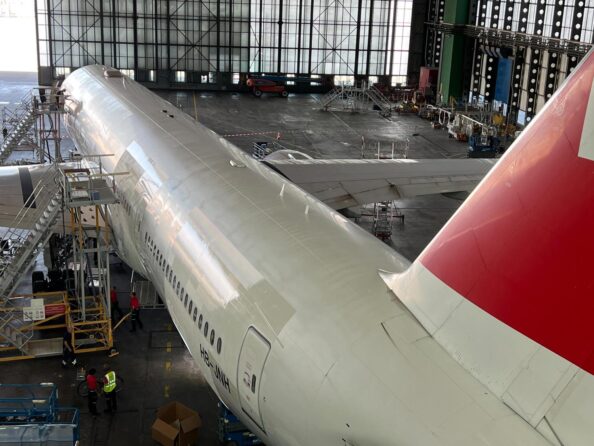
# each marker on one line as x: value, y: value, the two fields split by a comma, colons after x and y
x: 17, y: 125
x: 356, y: 99
x: 34, y: 122
x: 87, y: 192
x: 47, y: 315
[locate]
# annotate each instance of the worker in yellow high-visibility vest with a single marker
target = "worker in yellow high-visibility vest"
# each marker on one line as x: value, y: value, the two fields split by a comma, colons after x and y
x: 109, y: 389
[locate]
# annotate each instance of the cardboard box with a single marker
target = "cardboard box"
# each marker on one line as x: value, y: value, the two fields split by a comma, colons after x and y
x: 176, y: 425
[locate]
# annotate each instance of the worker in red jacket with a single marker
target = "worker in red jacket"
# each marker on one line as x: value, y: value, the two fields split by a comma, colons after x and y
x: 135, y: 310
x: 115, y: 305
x: 92, y: 396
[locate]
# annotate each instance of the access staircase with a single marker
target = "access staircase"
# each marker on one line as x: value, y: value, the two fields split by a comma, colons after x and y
x: 42, y: 208
x: 378, y: 98
x: 17, y: 122
x: 357, y: 98
x: 330, y: 97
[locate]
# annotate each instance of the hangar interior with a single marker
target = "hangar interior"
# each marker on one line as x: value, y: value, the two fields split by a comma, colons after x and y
x: 323, y: 79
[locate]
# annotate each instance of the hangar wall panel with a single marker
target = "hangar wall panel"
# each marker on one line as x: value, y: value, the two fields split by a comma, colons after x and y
x: 209, y: 41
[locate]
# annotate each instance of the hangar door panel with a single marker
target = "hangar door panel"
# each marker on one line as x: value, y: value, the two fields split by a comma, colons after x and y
x: 252, y: 358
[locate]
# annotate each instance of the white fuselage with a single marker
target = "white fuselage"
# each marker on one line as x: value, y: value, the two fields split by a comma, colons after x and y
x: 277, y: 297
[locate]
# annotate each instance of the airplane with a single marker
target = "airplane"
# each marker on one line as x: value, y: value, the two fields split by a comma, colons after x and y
x: 312, y: 331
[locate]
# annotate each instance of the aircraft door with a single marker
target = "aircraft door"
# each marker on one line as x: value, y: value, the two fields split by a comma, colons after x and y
x: 252, y: 358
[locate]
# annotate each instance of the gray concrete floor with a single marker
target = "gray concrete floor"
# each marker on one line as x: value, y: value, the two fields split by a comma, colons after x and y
x: 245, y: 119
x: 155, y: 374
x: 156, y: 369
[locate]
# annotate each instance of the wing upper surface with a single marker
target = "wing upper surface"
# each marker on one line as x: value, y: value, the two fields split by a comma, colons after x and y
x: 345, y: 183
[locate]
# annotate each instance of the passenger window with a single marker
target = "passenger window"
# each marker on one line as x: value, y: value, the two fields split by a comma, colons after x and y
x: 171, y: 276
x: 206, y: 329
x: 177, y: 289
x: 219, y: 345
x: 195, y: 314
x: 190, y: 307
x: 145, y: 237
x: 174, y: 281
x: 167, y: 270
x: 253, y: 383
x: 212, y: 337
x: 181, y: 295
x: 186, y: 301
x: 200, y: 322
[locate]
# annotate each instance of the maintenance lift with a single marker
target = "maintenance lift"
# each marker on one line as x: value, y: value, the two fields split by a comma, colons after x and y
x: 30, y: 414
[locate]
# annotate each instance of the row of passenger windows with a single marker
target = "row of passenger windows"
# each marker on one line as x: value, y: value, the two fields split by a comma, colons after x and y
x: 181, y: 293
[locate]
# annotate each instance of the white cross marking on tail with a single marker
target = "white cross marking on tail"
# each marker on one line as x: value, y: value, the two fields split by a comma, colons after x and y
x: 587, y: 141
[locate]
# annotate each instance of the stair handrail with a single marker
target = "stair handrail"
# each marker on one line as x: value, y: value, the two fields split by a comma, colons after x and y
x: 17, y: 114
x: 379, y: 96
x: 40, y: 207
x: 331, y: 95
x: 22, y: 234
x: 22, y: 257
x: 26, y: 333
x: 22, y: 106
x: 43, y: 184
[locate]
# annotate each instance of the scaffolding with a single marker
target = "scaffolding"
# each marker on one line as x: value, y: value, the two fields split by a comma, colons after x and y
x: 19, y: 127
x: 48, y: 104
x: 357, y: 99
x: 384, y: 213
x: 82, y: 194
x: 86, y: 195
x: 35, y: 124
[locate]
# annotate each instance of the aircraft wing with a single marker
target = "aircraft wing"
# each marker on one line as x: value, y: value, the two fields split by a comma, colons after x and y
x: 345, y: 183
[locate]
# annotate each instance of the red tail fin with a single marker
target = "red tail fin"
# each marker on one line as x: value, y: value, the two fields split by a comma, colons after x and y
x: 522, y: 246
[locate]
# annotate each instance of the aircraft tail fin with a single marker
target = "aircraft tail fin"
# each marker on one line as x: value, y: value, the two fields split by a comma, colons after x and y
x: 507, y: 286
x: 521, y: 246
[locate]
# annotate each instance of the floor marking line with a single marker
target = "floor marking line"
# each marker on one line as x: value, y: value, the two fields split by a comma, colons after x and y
x: 195, y: 108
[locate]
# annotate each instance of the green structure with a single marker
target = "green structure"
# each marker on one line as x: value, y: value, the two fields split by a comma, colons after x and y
x: 451, y: 79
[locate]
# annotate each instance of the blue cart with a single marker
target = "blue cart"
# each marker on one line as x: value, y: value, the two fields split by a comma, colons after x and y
x: 231, y: 430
